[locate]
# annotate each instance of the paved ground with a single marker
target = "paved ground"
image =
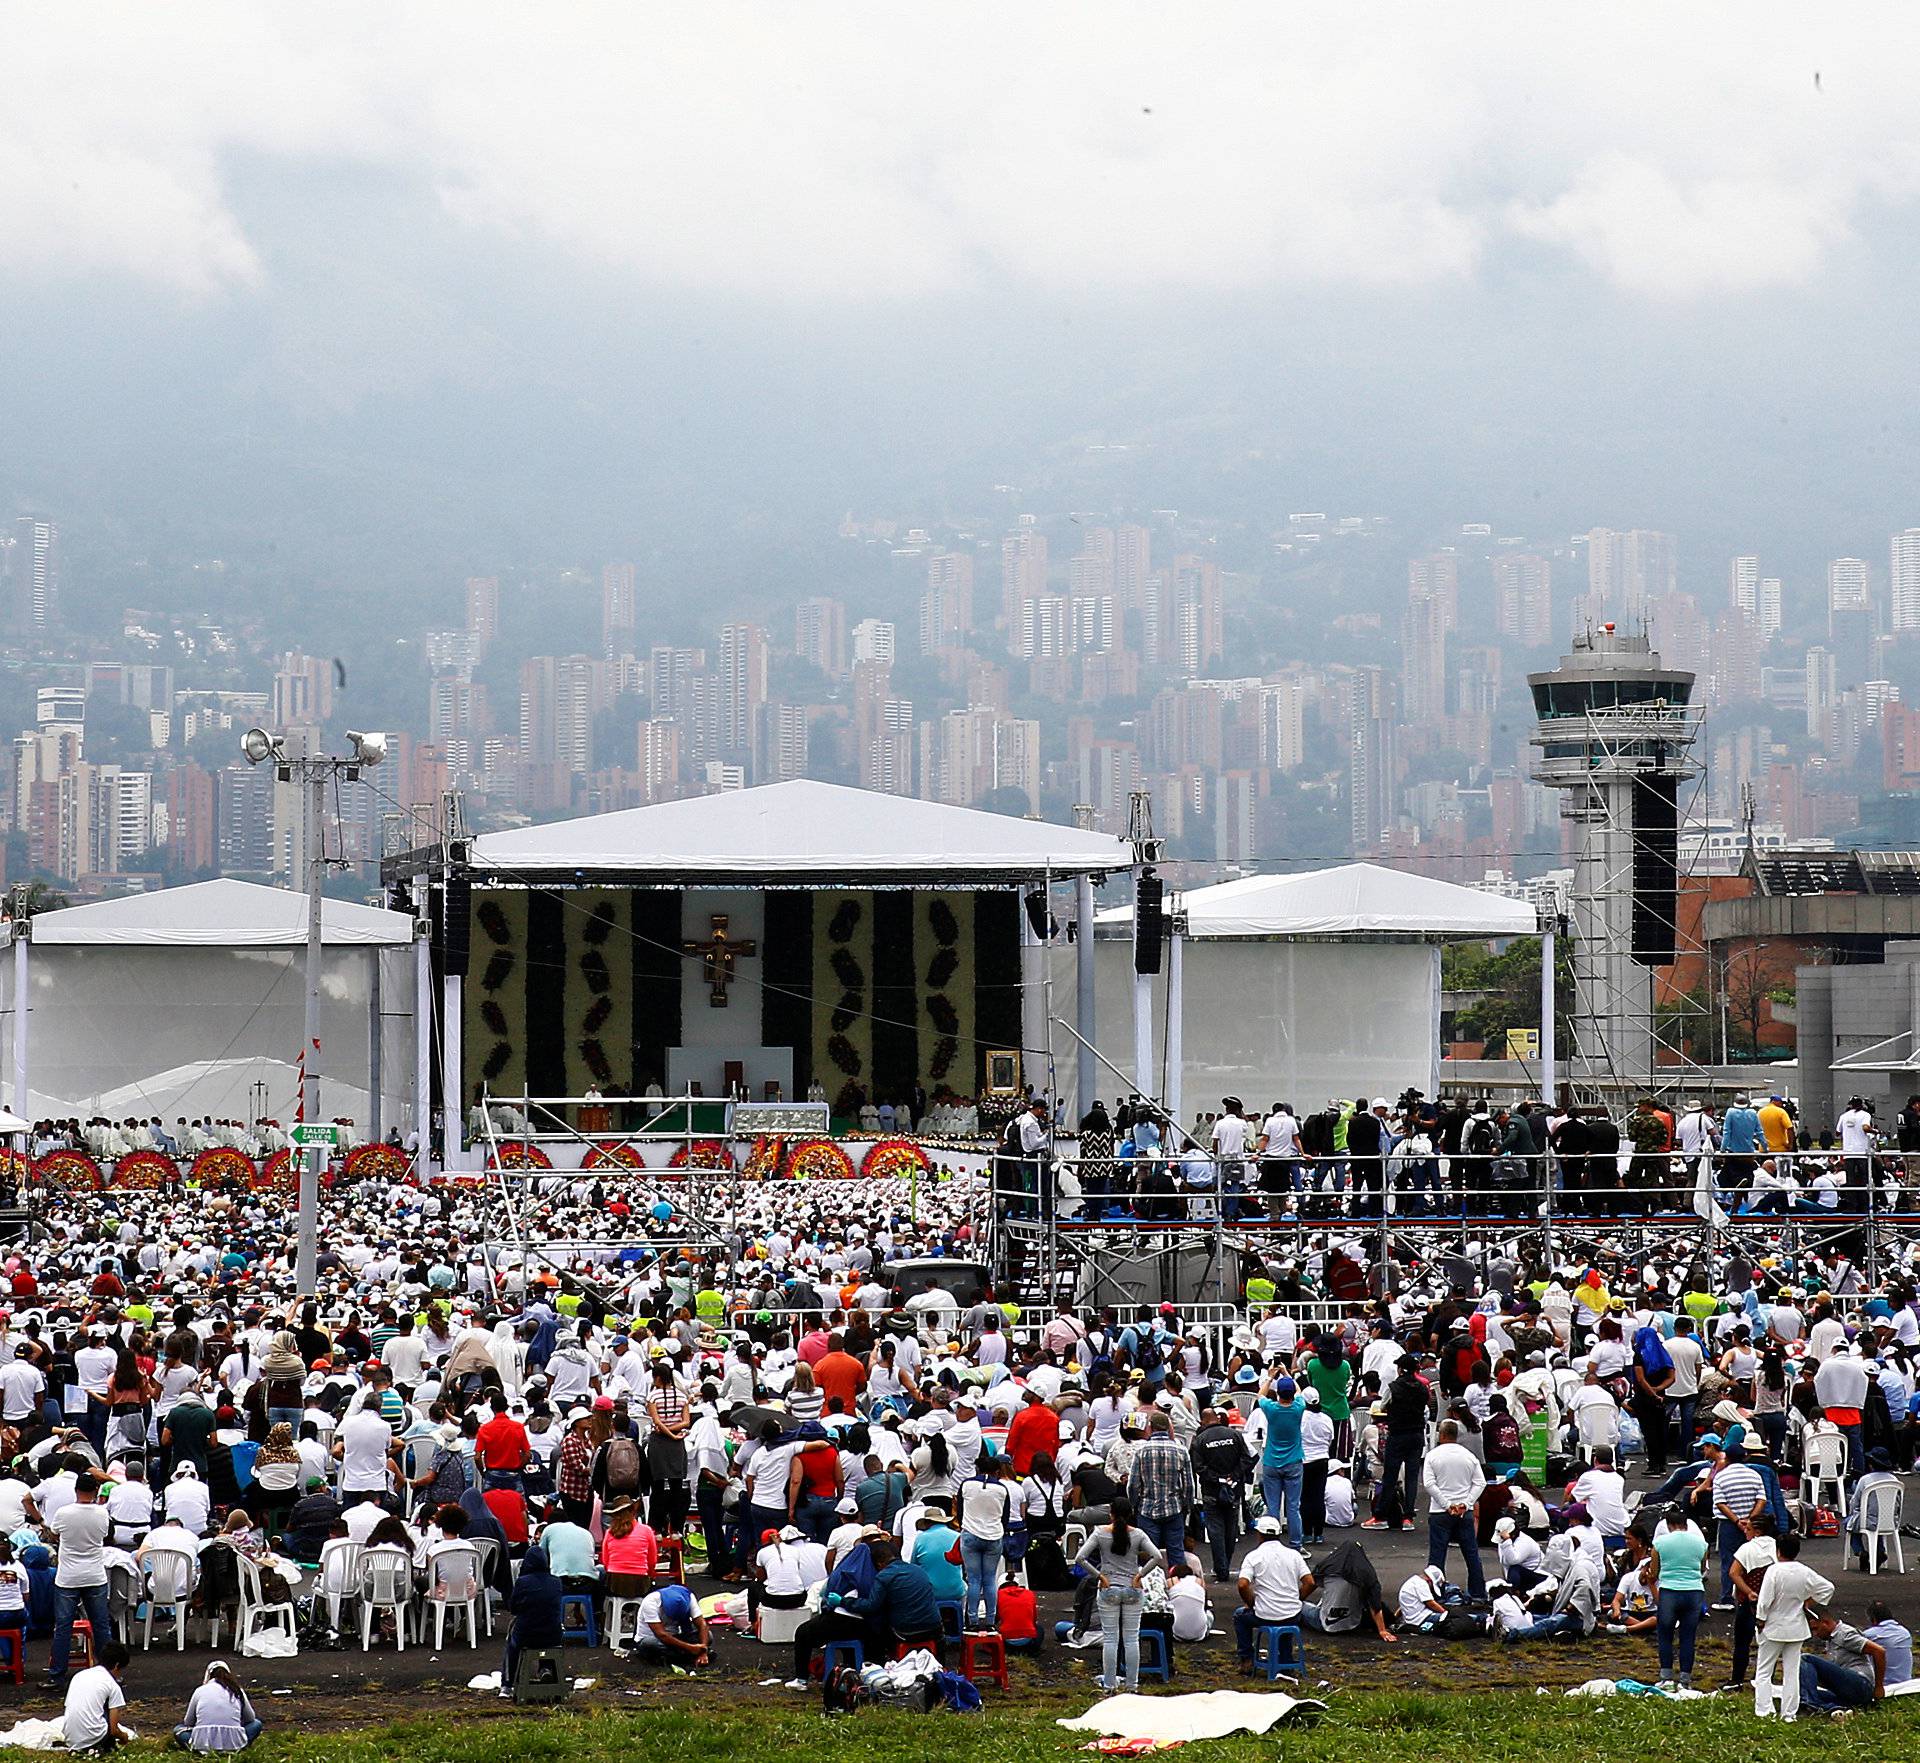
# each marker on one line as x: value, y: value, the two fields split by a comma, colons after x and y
x: 321, y: 1689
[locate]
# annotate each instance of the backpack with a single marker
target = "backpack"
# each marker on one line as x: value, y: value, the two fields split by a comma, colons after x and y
x: 1147, y: 1353
x: 1502, y: 1437
x: 623, y: 1465
x: 449, y: 1478
x: 1483, y: 1137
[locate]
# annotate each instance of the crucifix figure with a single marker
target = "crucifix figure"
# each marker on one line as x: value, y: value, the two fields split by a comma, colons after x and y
x: 718, y: 953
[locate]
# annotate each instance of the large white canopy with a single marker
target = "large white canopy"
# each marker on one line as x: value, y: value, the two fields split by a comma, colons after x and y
x: 223, y: 914
x: 1352, y: 900
x: 802, y: 828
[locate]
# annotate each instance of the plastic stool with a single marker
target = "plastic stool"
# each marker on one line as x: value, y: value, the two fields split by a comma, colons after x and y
x: 992, y: 1668
x: 855, y: 1651
x: 1267, y: 1639
x: 672, y: 1550
x: 80, y: 1650
x: 14, y: 1665
x: 583, y: 1602
x: 952, y: 1615
x: 1158, y: 1664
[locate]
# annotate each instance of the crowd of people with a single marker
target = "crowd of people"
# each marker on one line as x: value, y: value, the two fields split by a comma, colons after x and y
x: 1417, y: 1156
x: 759, y: 1429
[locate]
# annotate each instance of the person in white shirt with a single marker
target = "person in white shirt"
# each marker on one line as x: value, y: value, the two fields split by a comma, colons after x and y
x: 94, y: 1700
x: 187, y: 1502
x: 1274, y: 1585
x: 1780, y: 1617
x: 22, y: 1384
x: 365, y: 1448
x: 1604, y: 1491
x: 1454, y: 1479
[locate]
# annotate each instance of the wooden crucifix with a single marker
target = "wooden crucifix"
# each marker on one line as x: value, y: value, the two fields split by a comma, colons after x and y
x: 717, y: 954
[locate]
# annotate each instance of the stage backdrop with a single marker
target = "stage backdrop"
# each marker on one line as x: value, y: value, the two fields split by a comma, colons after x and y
x: 871, y: 990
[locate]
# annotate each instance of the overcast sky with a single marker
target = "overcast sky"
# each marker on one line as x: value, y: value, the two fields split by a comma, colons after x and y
x: 1633, y: 264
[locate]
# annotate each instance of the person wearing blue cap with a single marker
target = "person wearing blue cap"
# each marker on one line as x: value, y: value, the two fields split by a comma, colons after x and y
x: 672, y: 1629
x: 1282, y: 1456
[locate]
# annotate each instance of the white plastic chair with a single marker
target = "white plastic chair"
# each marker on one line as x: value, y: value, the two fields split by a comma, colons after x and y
x: 459, y: 1570
x: 339, y: 1577
x: 255, y: 1613
x: 1824, y: 1464
x: 489, y: 1552
x: 1880, y: 1512
x: 170, y: 1577
x: 1598, y: 1425
x: 386, y: 1583
x: 618, y: 1610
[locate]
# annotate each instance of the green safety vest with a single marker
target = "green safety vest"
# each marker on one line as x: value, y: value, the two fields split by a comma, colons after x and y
x: 1340, y: 1126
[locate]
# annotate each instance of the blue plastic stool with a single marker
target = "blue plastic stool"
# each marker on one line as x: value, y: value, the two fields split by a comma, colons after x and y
x: 1267, y: 1639
x: 1153, y: 1655
x: 856, y: 1655
x: 584, y: 1603
x: 953, y: 1616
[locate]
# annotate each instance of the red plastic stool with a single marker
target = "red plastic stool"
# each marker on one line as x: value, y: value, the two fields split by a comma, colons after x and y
x: 82, y: 1644
x: 674, y: 1550
x: 14, y: 1665
x: 992, y: 1668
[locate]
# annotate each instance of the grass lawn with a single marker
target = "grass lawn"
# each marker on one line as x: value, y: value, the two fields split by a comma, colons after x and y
x: 1380, y: 1727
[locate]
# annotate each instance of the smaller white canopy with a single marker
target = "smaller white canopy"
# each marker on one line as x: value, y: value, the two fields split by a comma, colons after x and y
x: 1352, y: 900
x: 224, y: 914
x: 799, y: 828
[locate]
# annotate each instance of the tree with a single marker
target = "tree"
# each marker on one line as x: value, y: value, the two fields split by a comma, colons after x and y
x: 1007, y: 799
x: 1753, y: 977
x: 1511, y: 977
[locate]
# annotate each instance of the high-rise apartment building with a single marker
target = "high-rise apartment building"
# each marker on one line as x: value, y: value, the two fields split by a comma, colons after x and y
x: 1370, y: 759
x: 1092, y: 571
x: 619, y: 610
x: 1283, y: 739
x: 1023, y: 570
x: 1437, y: 576
x: 784, y: 734
x: 1045, y: 628
x: 1185, y: 625
x: 670, y: 676
x: 1768, y: 607
x: 192, y: 824
x: 1132, y: 566
x: 820, y: 634
x: 33, y: 601
x: 743, y: 688
x: 946, y: 607
x: 558, y: 697
x: 660, y: 759
x: 245, y: 837
x: 483, y: 612
x: 1625, y: 570
x: 1903, y: 581
x: 1424, y: 629
x: 873, y: 640
x: 1847, y: 586
x: 1743, y: 585
x: 1523, y: 599
x: 302, y: 691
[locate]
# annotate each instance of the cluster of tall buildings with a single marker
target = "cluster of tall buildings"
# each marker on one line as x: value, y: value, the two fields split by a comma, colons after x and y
x: 1061, y: 666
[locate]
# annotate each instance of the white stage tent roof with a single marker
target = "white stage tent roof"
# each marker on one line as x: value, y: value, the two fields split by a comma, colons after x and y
x: 797, y: 830
x: 1351, y: 900
x: 223, y: 914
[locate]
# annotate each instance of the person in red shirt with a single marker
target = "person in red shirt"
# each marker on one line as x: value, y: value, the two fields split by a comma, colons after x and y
x: 814, y: 1345
x: 1035, y: 1428
x: 840, y: 1374
x: 501, y: 1445
x: 509, y: 1506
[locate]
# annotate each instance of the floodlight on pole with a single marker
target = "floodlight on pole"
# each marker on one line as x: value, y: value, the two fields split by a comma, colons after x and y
x: 257, y: 747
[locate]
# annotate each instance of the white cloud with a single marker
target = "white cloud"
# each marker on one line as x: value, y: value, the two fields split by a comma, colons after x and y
x: 856, y: 150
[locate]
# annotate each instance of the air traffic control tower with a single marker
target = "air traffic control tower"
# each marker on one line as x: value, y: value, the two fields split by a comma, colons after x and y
x: 1615, y: 733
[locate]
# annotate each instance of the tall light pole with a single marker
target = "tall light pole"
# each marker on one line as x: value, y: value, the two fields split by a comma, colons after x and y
x: 311, y: 771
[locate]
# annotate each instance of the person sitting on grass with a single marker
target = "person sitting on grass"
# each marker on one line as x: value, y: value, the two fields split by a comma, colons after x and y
x: 92, y: 1726
x: 219, y: 1715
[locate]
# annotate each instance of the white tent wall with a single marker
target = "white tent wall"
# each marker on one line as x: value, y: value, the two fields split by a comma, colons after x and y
x: 105, y: 1018
x: 1270, y: 1021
